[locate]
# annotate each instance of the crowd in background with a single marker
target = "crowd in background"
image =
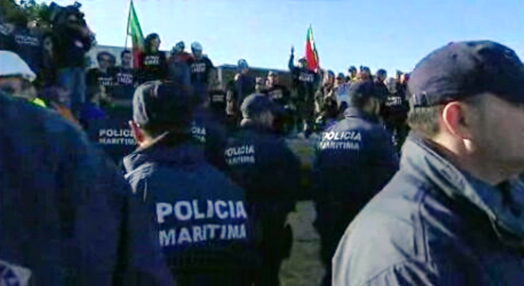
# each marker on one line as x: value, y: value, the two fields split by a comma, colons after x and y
x: 228, y: 117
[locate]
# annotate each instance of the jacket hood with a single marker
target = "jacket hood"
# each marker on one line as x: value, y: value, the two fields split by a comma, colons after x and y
x: 506, y: 216
x: 185, y: 153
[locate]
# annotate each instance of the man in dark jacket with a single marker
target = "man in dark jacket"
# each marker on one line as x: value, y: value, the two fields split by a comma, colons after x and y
x: 304, y: 87
x: 449, y: 216
x: 66, y: 216
x: 261, y: 163
x: 202, y: 221
x: 355, y: 160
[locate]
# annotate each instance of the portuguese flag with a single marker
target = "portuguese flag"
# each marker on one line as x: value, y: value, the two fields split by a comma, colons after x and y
x: 313, y: 62
x: 134, y: 30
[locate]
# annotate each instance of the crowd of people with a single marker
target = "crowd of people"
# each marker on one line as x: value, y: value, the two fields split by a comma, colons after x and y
x: 204, y: 198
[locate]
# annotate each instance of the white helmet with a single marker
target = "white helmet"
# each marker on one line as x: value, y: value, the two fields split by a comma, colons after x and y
x: 196, y: 46
x: 12, y: 65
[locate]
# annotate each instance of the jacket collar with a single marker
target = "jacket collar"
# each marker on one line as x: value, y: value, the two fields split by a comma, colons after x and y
x: 421, y: 159
x: 353, y: 112
x: 180, y: 151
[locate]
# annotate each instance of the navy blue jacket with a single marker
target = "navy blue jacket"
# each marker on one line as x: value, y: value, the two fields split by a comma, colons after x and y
x: 208, y: 130
x: 262, y: 164
x: 355, y: 160
x: 434, y: 224
x: 201, y: 217
x: 65, y: 212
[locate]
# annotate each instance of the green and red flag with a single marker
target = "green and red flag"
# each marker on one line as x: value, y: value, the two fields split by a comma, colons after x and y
x: 135, y: 31
x: 313, y: 62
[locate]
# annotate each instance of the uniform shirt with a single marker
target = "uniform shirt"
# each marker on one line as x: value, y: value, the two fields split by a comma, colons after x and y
x: 201, y: 217
x: 434, y: 224
x: 200, y: 70
x: 66, y: 216
x: 153, y: 66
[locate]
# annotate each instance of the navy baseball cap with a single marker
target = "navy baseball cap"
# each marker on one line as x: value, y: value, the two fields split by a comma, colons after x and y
x: 463, y: 69
x: 257, y: 104
x: 364, y: 90
x: 159, y: 103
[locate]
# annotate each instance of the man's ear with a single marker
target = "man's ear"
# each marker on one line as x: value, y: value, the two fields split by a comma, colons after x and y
x: 455, y: 120
x: 137, y: 132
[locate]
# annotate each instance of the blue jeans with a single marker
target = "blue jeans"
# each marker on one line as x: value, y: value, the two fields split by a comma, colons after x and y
x: 74, y: 79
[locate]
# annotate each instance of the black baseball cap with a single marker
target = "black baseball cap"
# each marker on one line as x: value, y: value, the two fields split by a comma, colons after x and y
x: 160, y: 104
x: 462, y: 69
x: 257, y: 104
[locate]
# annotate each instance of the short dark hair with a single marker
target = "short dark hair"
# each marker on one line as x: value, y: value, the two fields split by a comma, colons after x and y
x: 124, y: 52
x: 103, y: 53
x: 425, y: 119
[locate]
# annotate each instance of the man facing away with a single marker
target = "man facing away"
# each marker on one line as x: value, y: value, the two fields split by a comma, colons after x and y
x: 449, y: 217
x: 201, y: 219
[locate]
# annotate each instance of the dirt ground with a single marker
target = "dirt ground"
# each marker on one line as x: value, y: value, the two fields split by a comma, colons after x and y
x: 303, y: 268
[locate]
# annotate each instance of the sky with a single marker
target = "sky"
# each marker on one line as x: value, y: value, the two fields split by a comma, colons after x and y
x: 377, y: 33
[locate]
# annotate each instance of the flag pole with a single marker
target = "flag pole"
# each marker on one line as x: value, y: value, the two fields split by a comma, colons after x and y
x: 127, y: 26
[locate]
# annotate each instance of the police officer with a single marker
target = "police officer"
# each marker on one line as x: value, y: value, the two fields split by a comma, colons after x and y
x: 202, y: 220
x: 355, y: 160
x: 67, y: 217
x: 260, y: 162
x: 448, y: 217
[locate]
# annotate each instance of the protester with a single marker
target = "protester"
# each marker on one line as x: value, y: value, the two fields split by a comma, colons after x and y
x: 329, y: 113
x: 327, y: 90
x: 48, y: 76
x: 260, y: 163
x: 260, y: 85
x: 202, y: 72
x: 99, y: 81
x: 352, y: 74
x: 67, y: 217
x: 27, y: 43
x: 364, y: 74
x: 153, y: 62
x: 304, y: 87
x: 125, y: 74
x: 355, y: 160
x: 73, y: 42
x: 202, y: 219
x: 276, y: 91
x: 341, y: 89
x: 178, y: 65
x: 380, y: 85
x: 455, y: 221
x: 245, y: 83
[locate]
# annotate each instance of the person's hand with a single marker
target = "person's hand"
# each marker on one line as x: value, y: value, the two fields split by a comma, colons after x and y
x: 292, y: 50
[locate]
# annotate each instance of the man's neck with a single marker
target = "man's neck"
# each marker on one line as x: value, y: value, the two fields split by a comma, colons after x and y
x: 481, y: 167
